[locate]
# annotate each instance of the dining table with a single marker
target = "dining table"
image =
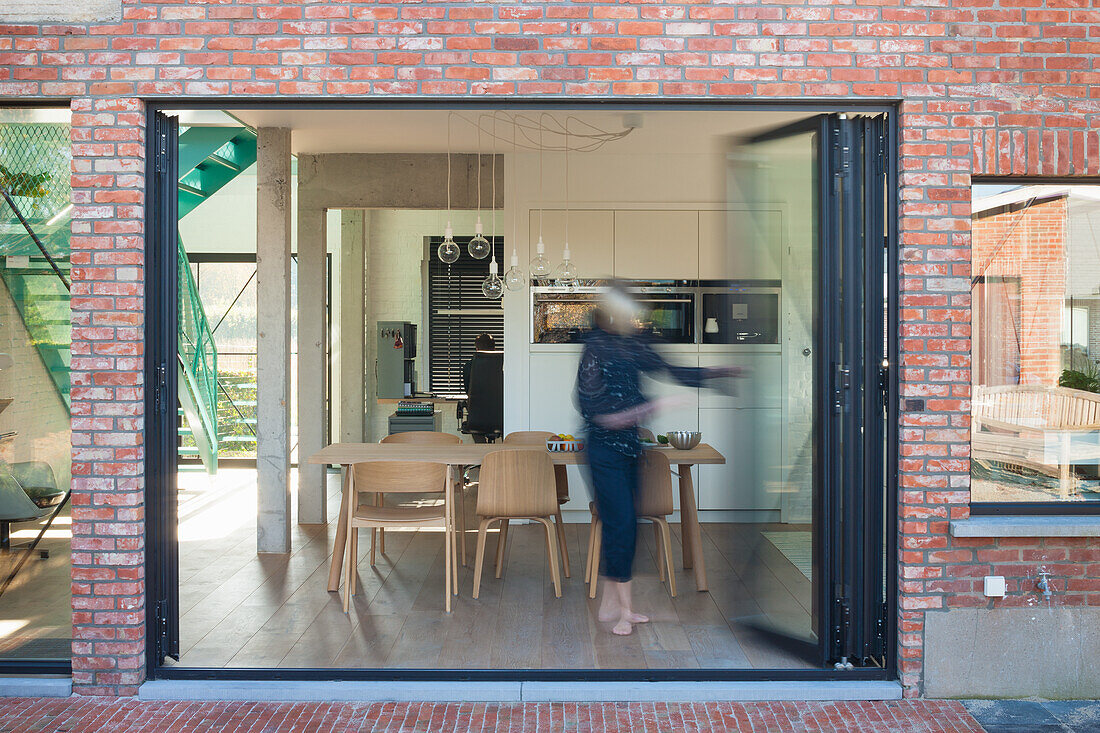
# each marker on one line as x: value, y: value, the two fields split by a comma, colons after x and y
x: 461, y: 455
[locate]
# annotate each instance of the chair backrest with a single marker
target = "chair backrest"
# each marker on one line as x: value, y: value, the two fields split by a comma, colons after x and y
x: 655, y: 484
x: 14, y: 502
x: 528, y: 437
x: 539, y: 437
x: 485, y: 395
x: 399, y: 477
x: 517, y: 483
x: 1034, y: 405
x: 405, y: 476
x: 422, y: 436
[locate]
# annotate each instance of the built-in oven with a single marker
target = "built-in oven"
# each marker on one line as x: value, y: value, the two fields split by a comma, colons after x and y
x: 740, y: 313
x: 561, y: 315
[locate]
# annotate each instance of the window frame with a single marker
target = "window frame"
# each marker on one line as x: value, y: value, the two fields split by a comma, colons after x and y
x: 1024, y: 508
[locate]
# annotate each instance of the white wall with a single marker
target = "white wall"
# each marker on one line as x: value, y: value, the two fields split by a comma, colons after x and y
x: 393, y: 290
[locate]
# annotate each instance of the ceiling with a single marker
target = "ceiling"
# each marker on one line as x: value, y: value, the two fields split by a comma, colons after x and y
x: 425, y: 130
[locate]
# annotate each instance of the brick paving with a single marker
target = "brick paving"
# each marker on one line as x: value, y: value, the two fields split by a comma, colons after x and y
x: 87, y: 714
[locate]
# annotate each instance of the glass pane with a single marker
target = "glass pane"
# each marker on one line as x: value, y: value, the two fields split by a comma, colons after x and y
x: 35, y: 340
x: 771, y: 429
x: 1036, y: 340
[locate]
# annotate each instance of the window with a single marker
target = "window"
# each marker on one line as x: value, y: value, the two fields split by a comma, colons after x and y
x: 1036, y: 344
x: 457, y: 313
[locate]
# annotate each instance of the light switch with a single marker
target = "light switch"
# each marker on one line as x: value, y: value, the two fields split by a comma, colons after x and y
x: 994, y: 586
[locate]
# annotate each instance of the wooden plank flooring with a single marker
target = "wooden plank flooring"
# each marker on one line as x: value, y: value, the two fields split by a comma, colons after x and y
x: 243, y: 610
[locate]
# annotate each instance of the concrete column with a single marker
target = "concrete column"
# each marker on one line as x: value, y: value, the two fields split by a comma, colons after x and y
x: 312, y: 364
x: 350, y: 367
x: 273, y: 340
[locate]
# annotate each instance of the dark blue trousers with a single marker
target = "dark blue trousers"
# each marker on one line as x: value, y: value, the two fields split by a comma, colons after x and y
x: 615, y: 485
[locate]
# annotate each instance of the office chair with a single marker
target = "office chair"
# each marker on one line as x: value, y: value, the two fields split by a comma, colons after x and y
x: 484, y: 405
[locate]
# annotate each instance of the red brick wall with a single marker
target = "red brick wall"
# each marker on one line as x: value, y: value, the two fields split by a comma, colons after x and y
x: 1028, y: 245
x: 986, y: 86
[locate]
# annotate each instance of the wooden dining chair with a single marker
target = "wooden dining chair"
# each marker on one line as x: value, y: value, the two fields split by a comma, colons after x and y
x: 561, y: 486
x: 426, y: 437
x: 653, y: 503
x: 377, y: 477
x: 517, y: 484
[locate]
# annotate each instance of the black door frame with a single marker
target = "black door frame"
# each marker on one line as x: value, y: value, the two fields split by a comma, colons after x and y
x: 161, y: 354
x: 873, y: 318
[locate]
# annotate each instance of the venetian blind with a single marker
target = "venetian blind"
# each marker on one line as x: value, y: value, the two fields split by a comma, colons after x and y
x: 458, y: 312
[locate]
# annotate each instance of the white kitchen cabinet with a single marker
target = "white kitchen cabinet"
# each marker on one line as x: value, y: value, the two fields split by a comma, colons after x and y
x: 591, y: 239
x: 553, y: 408
x: 751, y: 441
x: 657, y: 245
x: 761, y: 386
x: 738, y: 244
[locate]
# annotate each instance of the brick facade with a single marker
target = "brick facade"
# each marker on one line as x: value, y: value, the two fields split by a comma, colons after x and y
x: 985, y: 87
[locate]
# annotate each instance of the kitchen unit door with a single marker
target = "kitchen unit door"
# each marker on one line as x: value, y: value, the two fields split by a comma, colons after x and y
x: 657, y: 245
x: 591, y: 238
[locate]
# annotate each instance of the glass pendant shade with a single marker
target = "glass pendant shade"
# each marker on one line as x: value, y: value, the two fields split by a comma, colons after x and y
x: 566, y: 273
x: 514, y: 279
x: 448, y: 251
x: 492, y: 286
x: 479, y: 247
x: 540, y: 266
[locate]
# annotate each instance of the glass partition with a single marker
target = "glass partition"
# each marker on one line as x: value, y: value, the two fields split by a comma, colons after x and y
x: 35, y: 339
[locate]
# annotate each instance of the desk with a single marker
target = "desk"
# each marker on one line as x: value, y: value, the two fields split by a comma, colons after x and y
x: 472, y: 454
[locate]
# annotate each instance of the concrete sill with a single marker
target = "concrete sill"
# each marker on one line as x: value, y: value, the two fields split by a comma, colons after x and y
x: 1029, y: 526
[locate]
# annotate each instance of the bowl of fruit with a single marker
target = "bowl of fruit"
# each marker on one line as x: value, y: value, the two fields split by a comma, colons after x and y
x: 564, y: 443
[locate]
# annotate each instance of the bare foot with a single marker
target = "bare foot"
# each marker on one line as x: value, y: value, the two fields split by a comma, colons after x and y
x: 635, y: 618
x: 623, y: 628
x: 609, y: 607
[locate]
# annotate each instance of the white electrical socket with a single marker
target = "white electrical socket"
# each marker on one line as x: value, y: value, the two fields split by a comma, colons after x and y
x: 994, y: 586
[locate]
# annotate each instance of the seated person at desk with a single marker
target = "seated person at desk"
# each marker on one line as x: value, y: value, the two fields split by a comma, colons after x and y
x: 483, y: 380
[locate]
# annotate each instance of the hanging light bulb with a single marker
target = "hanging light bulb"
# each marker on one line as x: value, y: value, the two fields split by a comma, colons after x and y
x: 479, y: 247
x: 566, y: 272
x: 492, y: 286
x: 514, y: 279
x: 540, y: 265
x: 448, y: 251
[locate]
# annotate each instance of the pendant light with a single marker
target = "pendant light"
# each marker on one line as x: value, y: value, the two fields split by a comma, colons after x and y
x: 514, y: 279
x: 448, y: 251
x: 479, y: 247
x: 566, y: 272
x: 492, y: 286
x: 540, y: 266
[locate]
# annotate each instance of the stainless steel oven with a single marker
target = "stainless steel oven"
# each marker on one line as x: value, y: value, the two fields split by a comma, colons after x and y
x: 561, y: 315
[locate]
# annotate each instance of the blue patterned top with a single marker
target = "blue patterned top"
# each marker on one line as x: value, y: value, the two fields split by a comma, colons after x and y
x: 609, y: 381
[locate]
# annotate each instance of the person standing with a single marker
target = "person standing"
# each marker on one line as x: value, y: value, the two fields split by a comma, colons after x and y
x: 615, y: 356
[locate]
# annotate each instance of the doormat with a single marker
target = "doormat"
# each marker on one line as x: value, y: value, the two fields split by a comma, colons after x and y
x: 797, y: 547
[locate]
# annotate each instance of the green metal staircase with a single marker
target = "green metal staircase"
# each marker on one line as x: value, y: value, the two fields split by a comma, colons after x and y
x: 209, y: 158
x: 35, y: 164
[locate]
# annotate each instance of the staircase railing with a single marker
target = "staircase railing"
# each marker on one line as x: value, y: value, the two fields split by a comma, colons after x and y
x: 197, y: 352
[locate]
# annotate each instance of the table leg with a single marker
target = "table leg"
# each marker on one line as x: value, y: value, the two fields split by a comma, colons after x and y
x: 689, y: 529
x: 341, y: 536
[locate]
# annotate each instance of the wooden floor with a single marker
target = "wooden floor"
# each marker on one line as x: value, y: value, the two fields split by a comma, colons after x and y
x: 239, y: 609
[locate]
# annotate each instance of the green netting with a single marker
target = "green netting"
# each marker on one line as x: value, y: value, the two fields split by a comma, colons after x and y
x: 35, y: 167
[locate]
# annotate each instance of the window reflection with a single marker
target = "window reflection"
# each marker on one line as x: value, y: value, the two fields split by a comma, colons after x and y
x: 1036, y: 343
